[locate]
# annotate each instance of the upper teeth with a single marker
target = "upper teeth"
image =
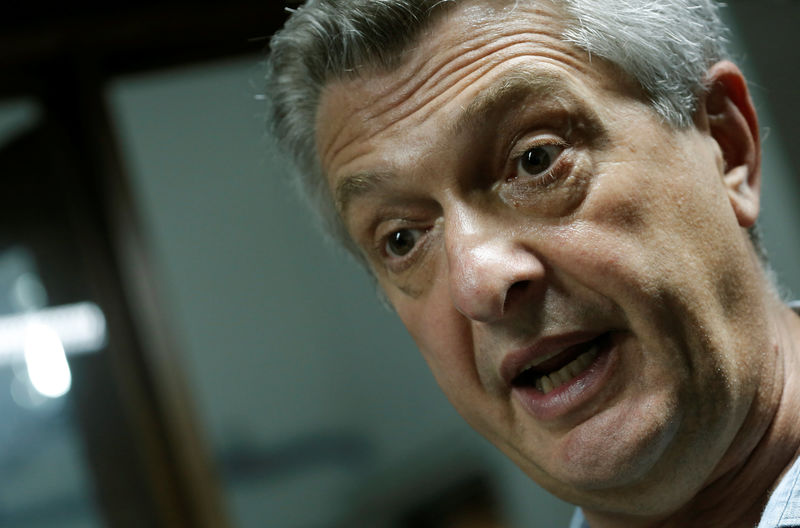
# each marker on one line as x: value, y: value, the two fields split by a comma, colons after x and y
x: 540, y: 360
x: 548, y: 382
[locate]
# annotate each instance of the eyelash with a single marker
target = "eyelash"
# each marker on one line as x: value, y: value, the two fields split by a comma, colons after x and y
x: 399, y: 263
x: 552, y: 173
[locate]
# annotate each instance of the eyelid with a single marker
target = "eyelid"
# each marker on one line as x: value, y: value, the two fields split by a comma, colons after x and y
x: 521, y: 147
x: 386, y: 213
x: 394, y: 263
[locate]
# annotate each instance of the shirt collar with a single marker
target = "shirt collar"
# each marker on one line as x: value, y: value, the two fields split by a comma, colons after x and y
x: 783, y: 508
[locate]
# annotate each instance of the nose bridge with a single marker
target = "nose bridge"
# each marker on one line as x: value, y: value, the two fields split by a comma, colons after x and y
x: 486, y: 260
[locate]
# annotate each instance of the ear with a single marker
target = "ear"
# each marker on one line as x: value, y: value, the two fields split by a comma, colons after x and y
x: 733, y: 124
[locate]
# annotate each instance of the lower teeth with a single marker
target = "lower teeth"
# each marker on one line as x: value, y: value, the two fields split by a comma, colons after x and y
x: 571, y: 370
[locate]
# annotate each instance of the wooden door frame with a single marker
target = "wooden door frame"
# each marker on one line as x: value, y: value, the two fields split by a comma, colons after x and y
x: 65, y: 60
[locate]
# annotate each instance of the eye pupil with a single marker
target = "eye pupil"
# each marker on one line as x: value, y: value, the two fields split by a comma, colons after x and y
x: 536, y: 160
x: 401, y: 242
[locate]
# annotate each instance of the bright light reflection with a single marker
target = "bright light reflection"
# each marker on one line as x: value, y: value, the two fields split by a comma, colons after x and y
x: 80, y: 327
x: 46, y: 361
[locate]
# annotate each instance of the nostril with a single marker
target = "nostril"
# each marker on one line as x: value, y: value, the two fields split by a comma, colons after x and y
x: 514, y: 293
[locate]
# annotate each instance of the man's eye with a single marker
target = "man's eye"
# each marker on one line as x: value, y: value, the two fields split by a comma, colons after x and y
x: 538, y: 159
x: 401, y: 242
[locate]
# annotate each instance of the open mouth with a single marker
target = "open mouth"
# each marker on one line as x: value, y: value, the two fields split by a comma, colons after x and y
x: 563, y: 368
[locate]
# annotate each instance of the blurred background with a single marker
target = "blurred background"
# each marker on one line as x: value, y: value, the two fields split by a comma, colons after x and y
x: 179, y: 347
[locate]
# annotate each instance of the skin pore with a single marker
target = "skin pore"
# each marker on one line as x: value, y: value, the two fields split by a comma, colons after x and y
x: 522, y: 206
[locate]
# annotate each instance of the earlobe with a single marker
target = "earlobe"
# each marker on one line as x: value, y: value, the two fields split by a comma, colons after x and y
x: 733, y: 124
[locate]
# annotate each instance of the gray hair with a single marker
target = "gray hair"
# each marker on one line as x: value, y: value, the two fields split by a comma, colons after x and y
x: 666, y: 45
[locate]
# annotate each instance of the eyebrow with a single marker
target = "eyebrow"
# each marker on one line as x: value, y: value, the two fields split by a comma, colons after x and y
x: 510, y: 89
x: 357, y: 185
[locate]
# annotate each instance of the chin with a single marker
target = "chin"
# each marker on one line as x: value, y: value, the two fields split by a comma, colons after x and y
x: 618, y: 453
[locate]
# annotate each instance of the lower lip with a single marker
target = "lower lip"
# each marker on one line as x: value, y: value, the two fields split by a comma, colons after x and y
x: 573, y: 395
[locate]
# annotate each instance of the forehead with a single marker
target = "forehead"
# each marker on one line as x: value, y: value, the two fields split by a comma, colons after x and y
x: 464, y: 58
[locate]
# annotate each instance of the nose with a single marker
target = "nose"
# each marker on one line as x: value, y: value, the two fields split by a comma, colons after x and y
x: 491, y: 270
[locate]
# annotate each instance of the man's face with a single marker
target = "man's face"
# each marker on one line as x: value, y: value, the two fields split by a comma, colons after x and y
x: 571, y: 268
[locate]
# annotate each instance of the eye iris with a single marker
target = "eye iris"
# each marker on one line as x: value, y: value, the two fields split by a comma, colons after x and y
x: 401, y: 242
x: 536, y: 160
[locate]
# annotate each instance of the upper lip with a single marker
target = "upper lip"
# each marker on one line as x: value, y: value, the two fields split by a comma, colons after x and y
x: 544, y: 348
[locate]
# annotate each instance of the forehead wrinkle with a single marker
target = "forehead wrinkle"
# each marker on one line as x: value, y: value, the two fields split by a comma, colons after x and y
x: 434, y: 99
x: 464, y: 64
x: 436, y: 68
x: 433, y: 59
x: 433, y: 67
x: 474, y: 52
x: 489, y: 33
x: 468, y: 54
x: 389, y: 99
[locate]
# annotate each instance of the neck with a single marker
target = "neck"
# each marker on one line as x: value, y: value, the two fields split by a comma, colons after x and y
x: 765, y: 448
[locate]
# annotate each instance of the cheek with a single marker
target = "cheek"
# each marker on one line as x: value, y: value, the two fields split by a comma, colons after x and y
x: 609, y: 261
x: 446, y: 340
x: 635, y: 223
x: 442, y: 335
